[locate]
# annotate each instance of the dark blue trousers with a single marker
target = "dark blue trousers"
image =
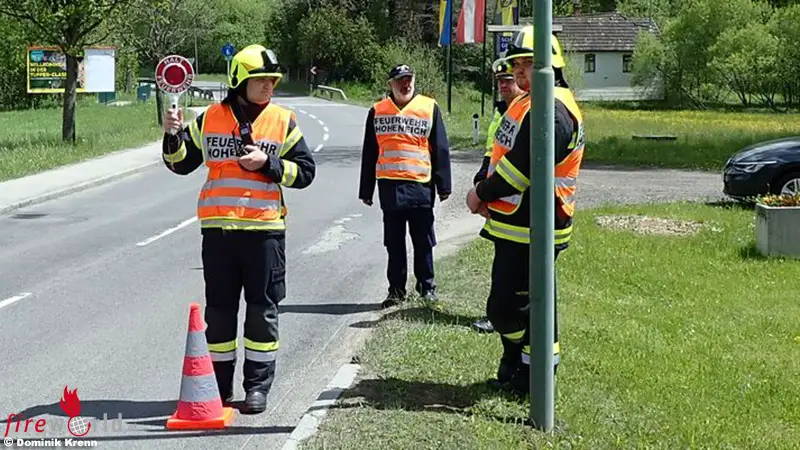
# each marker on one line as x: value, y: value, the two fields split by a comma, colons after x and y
x: 423, y: 239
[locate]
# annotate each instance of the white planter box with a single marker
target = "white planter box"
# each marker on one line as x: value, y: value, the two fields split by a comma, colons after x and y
x: 778, y: 230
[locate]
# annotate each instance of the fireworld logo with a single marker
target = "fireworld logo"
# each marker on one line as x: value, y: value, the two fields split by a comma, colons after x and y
x: 71, y: 405
x: 76, y: 425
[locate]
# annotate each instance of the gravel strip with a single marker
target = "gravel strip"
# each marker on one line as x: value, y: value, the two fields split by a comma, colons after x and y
x: 597, y: 185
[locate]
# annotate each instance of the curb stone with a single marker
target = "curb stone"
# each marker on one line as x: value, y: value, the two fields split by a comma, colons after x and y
x: 315, y: 414
x: 94, y: 182
x: 77, y: 187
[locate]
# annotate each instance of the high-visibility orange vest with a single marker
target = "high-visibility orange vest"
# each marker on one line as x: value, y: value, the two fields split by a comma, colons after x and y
x: 566, y: 172
x: 233, y: 197
x: 403, y: 139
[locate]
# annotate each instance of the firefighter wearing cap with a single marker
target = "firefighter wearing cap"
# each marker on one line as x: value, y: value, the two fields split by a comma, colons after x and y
x: 406, y: 150
x: 253, y: 149
x: 505, y: 194
x: 509, y: 89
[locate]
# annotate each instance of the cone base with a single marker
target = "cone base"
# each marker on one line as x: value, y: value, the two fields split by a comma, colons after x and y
x: 173, y: 423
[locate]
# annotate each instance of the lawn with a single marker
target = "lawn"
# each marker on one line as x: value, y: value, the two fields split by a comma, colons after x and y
x: 669, y: 341
x: 30, y: 140
x: 704, y: 139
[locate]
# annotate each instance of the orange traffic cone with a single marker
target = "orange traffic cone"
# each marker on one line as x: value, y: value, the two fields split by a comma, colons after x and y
x: 199, y: 404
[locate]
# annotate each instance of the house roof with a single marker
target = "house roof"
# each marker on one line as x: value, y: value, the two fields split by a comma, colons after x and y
x: 601, y: 32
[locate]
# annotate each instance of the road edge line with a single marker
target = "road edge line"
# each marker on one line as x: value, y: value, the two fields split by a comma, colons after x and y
x: 314, y: 416
x: 75, y: 188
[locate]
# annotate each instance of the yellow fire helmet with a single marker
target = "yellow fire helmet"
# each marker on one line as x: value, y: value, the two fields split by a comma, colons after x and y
x: 522, y: 46
x: 254, y: 61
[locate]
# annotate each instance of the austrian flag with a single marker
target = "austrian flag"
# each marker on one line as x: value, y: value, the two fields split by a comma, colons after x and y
x: 470, y: 22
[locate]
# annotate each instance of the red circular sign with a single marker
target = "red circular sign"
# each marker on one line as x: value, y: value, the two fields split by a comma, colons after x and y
x: 174, y: 74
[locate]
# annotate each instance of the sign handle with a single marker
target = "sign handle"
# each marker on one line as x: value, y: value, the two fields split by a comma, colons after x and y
x: 174, y: 104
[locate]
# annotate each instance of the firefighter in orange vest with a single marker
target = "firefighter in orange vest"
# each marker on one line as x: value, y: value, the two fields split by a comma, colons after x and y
x: 509, y: 88
x: 253, y: 149
x: 506, y: 195
x: 407, y: 151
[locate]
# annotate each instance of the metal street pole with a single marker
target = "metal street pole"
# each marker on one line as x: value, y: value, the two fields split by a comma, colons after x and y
x: 541, y: 215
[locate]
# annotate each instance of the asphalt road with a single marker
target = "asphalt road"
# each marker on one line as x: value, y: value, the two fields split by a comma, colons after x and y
x: 95, y: 288
x: 107, y: 293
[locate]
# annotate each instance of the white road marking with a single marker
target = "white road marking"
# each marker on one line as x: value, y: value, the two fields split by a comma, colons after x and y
x: 322, y: 124
x: 14, y: 299
x: 185, y: 223
x: 333, y: 238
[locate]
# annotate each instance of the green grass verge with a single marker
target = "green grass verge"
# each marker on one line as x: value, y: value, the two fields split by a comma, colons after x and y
x: 669, y: 342
x: 30, y: 140
x: 704, y: 139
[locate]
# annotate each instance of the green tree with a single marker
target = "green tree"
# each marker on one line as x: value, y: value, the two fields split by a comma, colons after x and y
x: 329, y: 38
x: 69, y: 24
x: 157, y: 28
x: 746, y: 59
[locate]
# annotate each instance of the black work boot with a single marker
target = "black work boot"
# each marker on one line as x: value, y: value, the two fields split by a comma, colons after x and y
x: 483, y: 326
x: 258, y: 377
x: 223, y: 371
x: 510, y: 361
x: 520, y: 383
x: 393, y: 299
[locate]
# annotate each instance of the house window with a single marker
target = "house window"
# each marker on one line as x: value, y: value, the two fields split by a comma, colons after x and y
x: 627, y: 63
x: 588, y: 63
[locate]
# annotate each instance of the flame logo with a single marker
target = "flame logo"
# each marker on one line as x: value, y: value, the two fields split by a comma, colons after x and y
x: 71, y: 405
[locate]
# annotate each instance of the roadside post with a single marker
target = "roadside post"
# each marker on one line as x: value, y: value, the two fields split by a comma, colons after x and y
x: 227, y: 51
x: 174, y: 75
x: 475, y: 128
x: 542, y: 203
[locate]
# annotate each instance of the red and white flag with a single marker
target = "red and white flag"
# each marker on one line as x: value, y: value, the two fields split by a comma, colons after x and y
x: 470, y: 22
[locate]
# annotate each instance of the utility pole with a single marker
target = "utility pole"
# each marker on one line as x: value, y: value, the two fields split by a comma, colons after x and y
x: 542, y: 218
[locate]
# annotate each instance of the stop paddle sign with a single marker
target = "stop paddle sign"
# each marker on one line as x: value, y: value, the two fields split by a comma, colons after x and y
x: 174, y: 75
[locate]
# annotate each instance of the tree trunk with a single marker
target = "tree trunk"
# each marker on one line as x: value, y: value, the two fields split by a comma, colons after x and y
x: 159, y: 106
x: 70, y: 95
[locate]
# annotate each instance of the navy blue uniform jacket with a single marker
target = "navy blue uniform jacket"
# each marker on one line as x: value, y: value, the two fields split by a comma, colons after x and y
x: 400, y: 195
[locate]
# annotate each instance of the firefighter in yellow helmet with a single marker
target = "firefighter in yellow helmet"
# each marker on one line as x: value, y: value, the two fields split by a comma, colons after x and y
x: 253, y: 149
x: 509, y: 89
x: 505, y: 195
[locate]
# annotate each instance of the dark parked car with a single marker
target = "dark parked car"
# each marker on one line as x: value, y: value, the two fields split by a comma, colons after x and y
x: 770, y: 167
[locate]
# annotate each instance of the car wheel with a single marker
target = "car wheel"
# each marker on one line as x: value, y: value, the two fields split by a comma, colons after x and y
x: 788, y: 184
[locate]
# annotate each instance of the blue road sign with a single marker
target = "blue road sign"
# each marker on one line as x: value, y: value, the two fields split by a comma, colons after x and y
x: 227, y: 50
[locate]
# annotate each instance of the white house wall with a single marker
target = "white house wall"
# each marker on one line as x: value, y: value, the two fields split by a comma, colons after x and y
x: 608, y: 70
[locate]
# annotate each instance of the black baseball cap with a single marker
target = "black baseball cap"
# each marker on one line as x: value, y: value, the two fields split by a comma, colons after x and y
x: 400, y: 70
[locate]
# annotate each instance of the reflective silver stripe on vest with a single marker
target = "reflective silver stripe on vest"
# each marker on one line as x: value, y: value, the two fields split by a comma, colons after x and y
x: 401, y: 124
x: 243, y: 184
x: 202, y: 388
x: 240, y: 201
x: 419, y: 156
x: 196, y: 344
x: 254, y: 355
x: 401, y: 167
x: 223, y: 356
x: 565, y: 182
